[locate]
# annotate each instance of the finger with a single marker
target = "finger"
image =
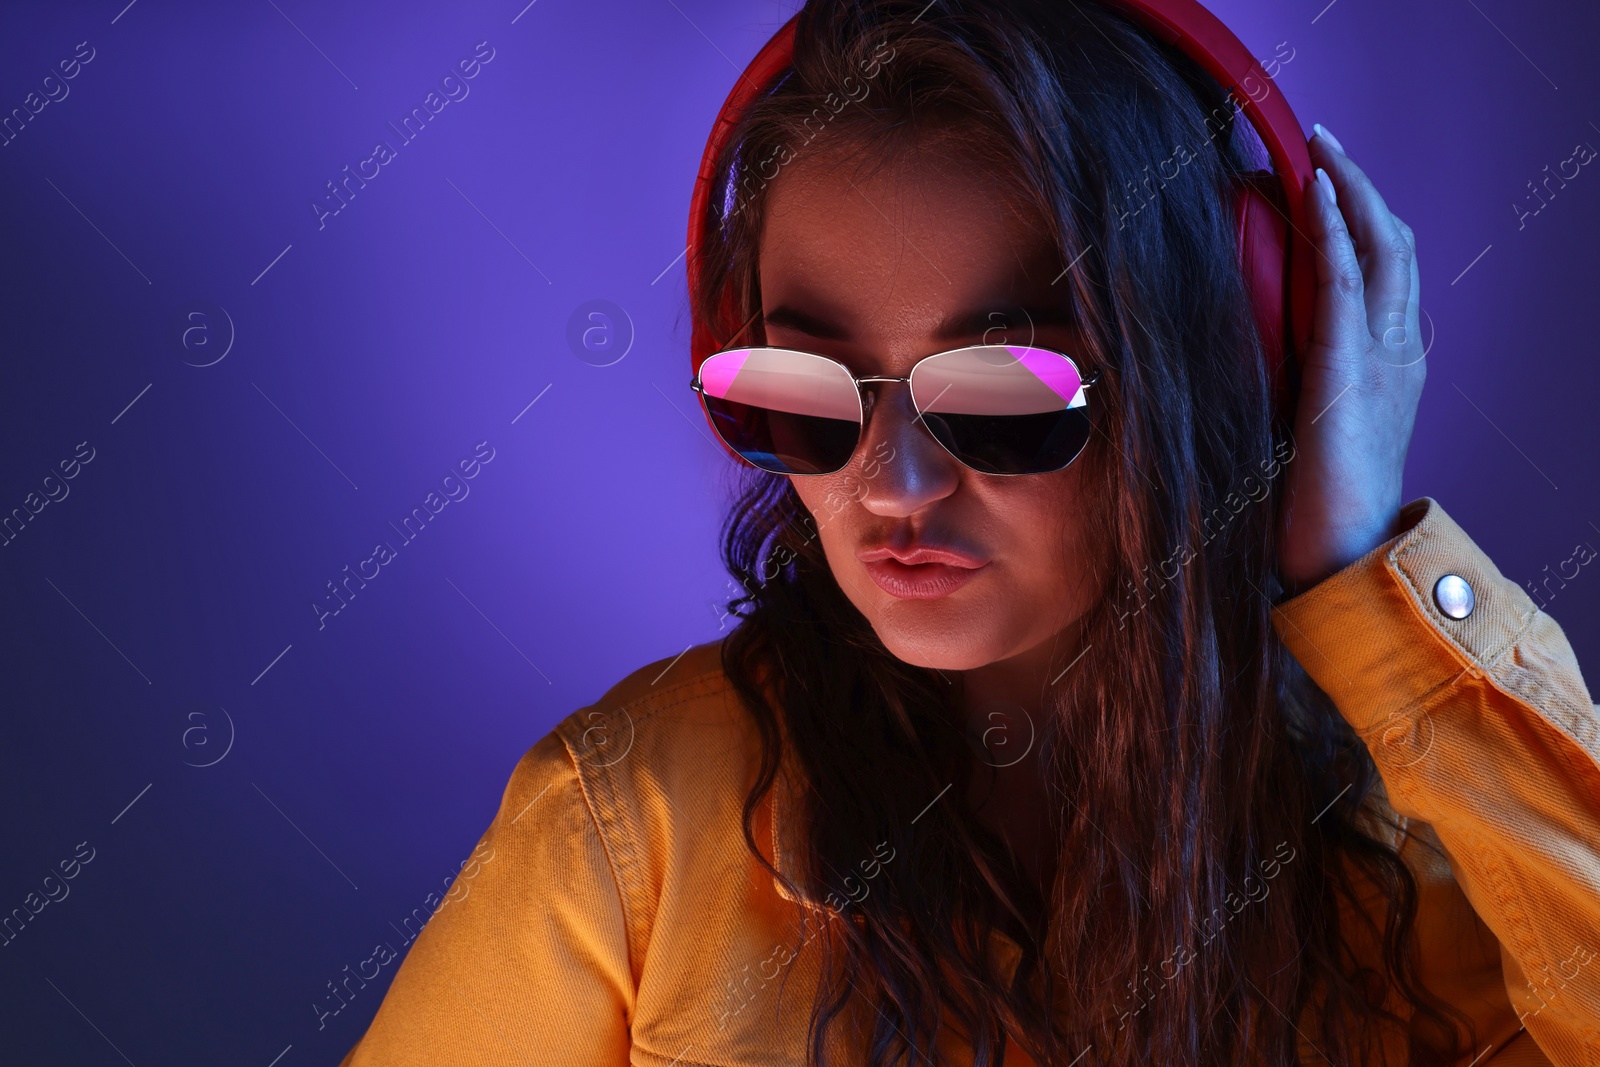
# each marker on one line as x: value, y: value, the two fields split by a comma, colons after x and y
x: 1402, y: 332
x: 1340, y: 313
x: 1384, y: 253
x: 1414, y: 293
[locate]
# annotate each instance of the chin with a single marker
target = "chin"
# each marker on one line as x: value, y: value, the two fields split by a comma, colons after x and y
x: 953, y: 647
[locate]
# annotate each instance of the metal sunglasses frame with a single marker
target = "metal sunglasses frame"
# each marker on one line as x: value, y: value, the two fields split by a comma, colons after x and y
x: 1084, y: 382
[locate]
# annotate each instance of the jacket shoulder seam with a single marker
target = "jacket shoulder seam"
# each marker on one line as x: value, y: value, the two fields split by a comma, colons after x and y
x: 610, y: 847
x: 602, y: 785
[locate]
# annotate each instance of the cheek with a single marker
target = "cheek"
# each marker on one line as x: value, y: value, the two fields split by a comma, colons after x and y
x: 1055, y: 535
x: 808, y: 492
x: 820, y: 497
x: 833, y: 504
x: 830, y: 498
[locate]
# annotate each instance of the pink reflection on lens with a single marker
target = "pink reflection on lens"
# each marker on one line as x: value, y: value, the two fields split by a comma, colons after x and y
x: 717, y: 374
x: 997, y: 380
x: 1053, y: 371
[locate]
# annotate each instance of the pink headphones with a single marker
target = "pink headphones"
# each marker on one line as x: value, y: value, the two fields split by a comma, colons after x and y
x: 1274, y: 250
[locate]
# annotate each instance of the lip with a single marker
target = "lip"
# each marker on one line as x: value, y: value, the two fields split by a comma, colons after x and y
x: 919, y: 581
x: 919, y: 554
x: 921, y: 572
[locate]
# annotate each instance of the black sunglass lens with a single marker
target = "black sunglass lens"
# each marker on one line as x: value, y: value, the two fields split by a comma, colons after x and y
x: 1013, y: 444
x: 783, y: 442
x: 783, y: 411
x: 1004, y: 409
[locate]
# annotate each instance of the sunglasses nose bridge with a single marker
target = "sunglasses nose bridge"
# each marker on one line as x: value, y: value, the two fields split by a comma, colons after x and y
x: 915, y: 434
x: 872, y: 394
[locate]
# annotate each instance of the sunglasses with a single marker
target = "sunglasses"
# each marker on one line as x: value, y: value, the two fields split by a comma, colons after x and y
x: 998, y: 409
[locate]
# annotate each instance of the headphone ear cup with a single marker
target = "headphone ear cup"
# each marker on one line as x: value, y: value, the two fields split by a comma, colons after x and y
x: 1261, y: 230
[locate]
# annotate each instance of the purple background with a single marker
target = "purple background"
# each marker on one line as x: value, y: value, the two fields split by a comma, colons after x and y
x: 377, y: 351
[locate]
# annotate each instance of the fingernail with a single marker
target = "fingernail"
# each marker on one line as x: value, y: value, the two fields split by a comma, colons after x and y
x: 1327, y: 186
x: 1323, y: 132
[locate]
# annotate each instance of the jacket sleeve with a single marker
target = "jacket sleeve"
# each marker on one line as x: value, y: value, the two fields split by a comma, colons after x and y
x: 1482, y: 727
x: 525, y: 960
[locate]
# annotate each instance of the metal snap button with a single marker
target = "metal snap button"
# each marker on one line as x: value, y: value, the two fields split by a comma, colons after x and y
x: 1454, y: 596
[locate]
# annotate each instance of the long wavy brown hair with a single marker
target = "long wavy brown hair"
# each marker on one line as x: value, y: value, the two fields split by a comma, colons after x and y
x: 1213, y: 804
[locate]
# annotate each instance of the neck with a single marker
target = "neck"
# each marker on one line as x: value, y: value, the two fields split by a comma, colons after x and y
x: 1004, y: 703
x: 1019, y: 685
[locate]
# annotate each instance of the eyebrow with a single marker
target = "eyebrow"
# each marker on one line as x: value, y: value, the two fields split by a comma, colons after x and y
x: 963, y: 324
x: 789, y: 317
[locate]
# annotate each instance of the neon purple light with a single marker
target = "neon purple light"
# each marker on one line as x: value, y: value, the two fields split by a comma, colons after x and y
x: 1052, y: 370
x: 717, y: 373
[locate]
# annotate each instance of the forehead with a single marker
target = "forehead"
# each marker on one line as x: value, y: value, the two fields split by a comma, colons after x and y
x: 900, y: 248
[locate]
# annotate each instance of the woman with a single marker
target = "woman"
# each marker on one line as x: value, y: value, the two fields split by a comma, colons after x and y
x: 1121, y: 761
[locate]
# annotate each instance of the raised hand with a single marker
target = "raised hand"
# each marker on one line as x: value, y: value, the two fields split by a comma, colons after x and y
x: 1361, y: 378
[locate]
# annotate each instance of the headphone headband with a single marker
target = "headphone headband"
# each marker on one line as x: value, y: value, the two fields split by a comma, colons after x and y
x: 1198, y: 34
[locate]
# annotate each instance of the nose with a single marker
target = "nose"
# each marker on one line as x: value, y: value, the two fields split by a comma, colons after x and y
x: 901, y: 466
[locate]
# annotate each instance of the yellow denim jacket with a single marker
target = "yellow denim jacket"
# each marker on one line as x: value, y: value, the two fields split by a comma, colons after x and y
x: 612, y: 914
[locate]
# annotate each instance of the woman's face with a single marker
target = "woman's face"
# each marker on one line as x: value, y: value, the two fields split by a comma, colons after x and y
x: 876, y: 272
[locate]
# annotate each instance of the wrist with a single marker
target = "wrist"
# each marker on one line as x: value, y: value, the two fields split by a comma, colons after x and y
x: 1303, y: 576
x: 1339, y: 552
